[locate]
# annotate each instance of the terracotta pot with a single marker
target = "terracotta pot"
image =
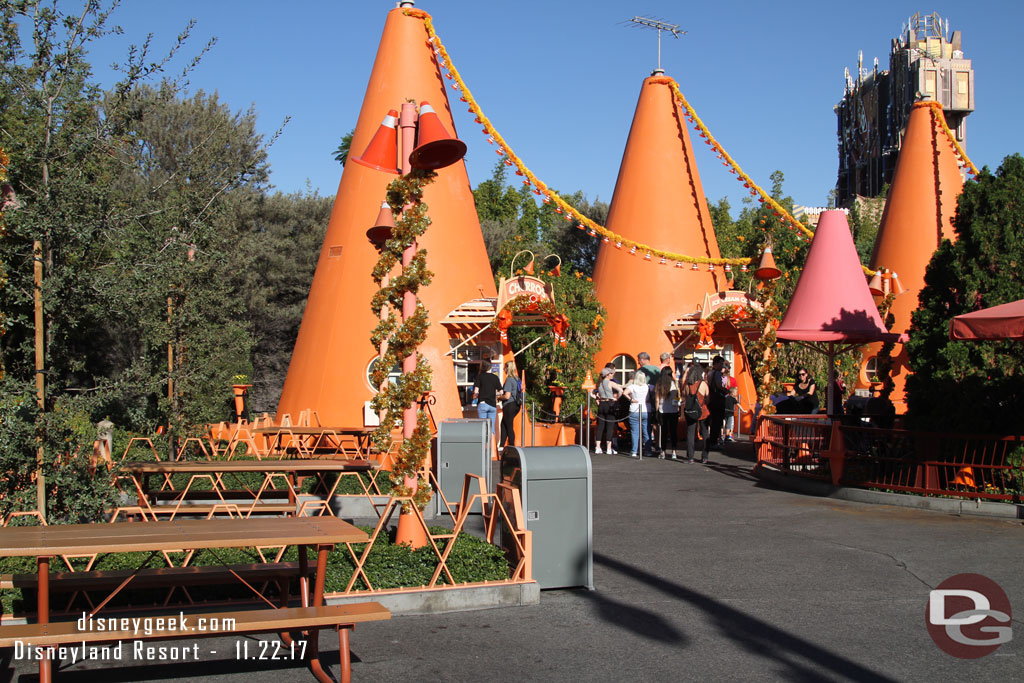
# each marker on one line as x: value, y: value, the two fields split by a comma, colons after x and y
x: 240, y: 391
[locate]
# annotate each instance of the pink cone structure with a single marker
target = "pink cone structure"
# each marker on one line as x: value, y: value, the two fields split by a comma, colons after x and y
x: 832, y: 303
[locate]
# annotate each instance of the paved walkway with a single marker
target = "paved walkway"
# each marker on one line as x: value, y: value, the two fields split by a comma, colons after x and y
x: 703, y: 573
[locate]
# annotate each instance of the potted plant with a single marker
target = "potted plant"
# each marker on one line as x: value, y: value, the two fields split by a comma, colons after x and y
x: 240, y: 385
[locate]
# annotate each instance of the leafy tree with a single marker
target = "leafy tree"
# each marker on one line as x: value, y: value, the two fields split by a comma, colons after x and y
x: 134, y: 196
x: 341, y: 153
x: 971, y: 386
x: 865, y: 218
x: 286, y: 234
x: 512, y: 220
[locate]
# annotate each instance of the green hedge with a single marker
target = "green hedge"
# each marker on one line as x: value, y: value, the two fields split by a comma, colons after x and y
x: 388, y: 566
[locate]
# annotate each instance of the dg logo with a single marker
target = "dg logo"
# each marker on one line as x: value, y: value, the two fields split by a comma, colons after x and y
x: 968, y: 616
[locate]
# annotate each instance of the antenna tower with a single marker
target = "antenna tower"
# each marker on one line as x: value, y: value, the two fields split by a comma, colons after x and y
x: 660, y: 26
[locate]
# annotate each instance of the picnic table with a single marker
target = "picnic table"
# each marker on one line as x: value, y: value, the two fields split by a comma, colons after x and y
x: 322, y: 533
x: 317, y: 441
x: 286, y: 471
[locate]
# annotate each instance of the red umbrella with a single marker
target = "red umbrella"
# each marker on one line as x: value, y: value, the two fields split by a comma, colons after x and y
x: 998, y: 322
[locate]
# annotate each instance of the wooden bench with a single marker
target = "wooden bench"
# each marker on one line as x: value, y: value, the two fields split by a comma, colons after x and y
x: 236, y: 496
x: 322, y: 533
x: 98, y: 579
x: 287, y: 619
x: 247, y: 509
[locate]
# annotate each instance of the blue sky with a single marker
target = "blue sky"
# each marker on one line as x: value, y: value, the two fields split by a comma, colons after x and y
x: 560, y: 80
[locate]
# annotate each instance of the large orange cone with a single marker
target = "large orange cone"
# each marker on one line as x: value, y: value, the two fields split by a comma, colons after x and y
x: 659, y: 201
x: 434, y: 147
x: 382, y: 152
x: 918, y: 216
x: 328, y: 370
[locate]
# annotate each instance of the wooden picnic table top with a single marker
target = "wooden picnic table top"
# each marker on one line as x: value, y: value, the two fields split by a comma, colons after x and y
x: 70, y: 539
x: 225, y: 466
x: 316, y: 431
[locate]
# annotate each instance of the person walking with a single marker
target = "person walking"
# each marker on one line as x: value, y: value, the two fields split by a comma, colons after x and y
x: 652, y: 373
x: 636, y: 391
x: 485, y: 393
x: 607, y: 393
x: 666, y: 394
x: 695, y: 391
x: 718, y: 387
x: 512, y: 399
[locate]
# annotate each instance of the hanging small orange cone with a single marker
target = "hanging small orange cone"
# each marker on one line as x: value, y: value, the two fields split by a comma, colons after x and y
x: 875, y: 285
x: 767, y: 270
x: 435, y: 148
x: 382, y: 152
x: 383, y: 226
x: 897, y: 286
x: 529, y: 268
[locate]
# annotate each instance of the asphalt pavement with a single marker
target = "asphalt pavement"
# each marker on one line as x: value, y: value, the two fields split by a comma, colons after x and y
x: 702, y: 573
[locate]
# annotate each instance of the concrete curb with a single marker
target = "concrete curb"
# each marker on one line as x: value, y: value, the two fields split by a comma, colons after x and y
x: 456, y: 599
x: 814, y: 487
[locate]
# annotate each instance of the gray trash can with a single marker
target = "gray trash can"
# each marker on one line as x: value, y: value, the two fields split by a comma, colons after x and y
x: 555, y: 486
x: 463, y: 447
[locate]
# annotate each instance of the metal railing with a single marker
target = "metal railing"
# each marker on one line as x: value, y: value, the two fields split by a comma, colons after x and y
x: 974, y: 466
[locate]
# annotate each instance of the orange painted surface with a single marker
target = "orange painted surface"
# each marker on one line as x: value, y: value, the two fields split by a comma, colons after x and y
x: 918, y: 214
x: 658, y: 201
x: 332, y: 352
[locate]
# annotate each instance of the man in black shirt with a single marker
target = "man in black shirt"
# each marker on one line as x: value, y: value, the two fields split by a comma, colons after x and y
x: 718, y: 387
x: 485, y: 390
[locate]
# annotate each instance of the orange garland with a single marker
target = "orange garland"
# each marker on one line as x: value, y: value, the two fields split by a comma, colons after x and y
x: 541, y: 188
x: 570, y: 213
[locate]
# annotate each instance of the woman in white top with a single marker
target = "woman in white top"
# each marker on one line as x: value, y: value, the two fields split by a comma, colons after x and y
x: 636, y: 392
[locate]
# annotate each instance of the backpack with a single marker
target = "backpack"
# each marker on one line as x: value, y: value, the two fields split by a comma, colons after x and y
x: 692, y: 409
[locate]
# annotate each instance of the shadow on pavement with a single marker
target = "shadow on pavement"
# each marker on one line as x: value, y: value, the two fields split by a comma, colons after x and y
x: 642, y: 622
x: 753, y: 634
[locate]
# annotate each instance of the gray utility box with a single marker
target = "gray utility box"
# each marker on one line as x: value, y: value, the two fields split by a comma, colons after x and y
x: 463, y: 447
x: 554, y: 483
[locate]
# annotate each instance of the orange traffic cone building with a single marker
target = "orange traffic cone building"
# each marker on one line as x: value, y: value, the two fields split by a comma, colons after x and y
x: 328, y: 370
x: 658, y: 200
x: 918, y: 216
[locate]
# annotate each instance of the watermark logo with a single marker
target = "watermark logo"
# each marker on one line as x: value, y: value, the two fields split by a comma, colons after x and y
x: 968, y: 616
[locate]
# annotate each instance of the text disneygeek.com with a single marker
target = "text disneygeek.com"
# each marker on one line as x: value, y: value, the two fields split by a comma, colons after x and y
x: 122, y: 646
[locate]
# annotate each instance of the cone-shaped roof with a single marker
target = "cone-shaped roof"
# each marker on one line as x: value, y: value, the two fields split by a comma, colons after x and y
x: 659, y: 201
x: 832, y: 302
x: 919, y: 208
x: 333, y: 350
